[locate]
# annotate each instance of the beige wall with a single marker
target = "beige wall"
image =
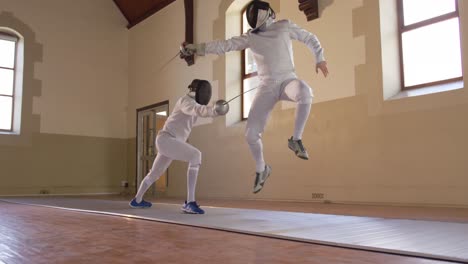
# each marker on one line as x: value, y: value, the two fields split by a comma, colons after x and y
x: 84, y: 65
x: 152, y: 78
x: 334, y: 26
x: 63, y: 164
x: 73, y: 136
x: 363, y: 149
x: 88, y: 75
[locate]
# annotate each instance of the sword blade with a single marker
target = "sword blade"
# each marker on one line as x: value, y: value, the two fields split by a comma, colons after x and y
x: 169, y: 61
x: 241, y: 94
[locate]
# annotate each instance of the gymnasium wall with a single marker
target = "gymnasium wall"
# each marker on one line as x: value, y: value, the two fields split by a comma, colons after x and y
x: 73, y: 133
x: 86, y: 74
x: 363, y: 149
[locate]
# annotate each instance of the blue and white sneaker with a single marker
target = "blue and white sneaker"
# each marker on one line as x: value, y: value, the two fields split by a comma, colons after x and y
x: 143, y: 204
x: 192, y: 208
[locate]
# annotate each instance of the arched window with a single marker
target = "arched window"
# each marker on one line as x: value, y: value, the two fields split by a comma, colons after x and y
x: 429, y: 42
x: 249, y: 74
x: 8, y: 69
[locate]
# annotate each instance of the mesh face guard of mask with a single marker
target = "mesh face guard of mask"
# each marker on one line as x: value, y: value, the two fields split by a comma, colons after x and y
x: 257, y: 13
x: 202, y: 90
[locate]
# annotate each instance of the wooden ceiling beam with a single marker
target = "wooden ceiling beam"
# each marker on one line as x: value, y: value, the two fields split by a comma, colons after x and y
x: 189, y: 28
x: 150, y: 12
x: 136, y: 11
x: 122, y: 11
x: 310, y: 8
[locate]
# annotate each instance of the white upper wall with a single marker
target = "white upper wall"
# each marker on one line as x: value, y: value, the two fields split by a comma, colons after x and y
x: 362, y: 148
x: 153, y: 76
x: 84, y: 70
x: 149, y: 84
x: 343, y: 51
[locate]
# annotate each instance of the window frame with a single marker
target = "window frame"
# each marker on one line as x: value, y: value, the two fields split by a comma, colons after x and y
x: 244, y: 75
x: 10, y: 37
x: 402, y: 29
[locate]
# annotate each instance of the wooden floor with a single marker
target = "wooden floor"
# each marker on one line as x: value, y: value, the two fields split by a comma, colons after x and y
x: 30, y: 234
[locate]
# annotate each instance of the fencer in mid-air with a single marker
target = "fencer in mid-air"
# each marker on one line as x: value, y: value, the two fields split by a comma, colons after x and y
x: 171, y: 142
x: 270, y: 42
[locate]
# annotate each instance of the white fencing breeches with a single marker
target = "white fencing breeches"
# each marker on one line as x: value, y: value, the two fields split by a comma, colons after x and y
x: 169, y: 149
x: 267, y: 96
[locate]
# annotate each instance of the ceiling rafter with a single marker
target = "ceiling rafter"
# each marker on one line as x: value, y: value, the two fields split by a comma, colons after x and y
x: 137, y: 11
x: 310, y: 9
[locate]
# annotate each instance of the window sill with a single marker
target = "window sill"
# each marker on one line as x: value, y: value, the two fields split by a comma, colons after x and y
x: 9, y: 133
x: 428, y: 90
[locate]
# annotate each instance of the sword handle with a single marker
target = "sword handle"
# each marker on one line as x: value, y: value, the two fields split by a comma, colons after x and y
x: 186, y: 55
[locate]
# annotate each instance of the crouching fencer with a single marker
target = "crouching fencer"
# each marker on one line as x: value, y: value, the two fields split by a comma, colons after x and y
x: 270, y: 43
x: 171, y: 142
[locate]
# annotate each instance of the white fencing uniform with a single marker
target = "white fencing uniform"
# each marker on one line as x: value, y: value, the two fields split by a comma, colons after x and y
x: 171, y: 144
x: 272, y: 50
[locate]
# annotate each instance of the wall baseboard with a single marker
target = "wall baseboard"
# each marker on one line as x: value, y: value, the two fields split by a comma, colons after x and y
x: 58, y: 194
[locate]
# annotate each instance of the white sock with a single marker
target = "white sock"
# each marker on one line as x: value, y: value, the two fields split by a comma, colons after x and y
x: 257, y: 153
x: 144, y: 186
x: 254, y: 139
x: 192, y: 175
x: 160, y: 164
x: 302, y: 114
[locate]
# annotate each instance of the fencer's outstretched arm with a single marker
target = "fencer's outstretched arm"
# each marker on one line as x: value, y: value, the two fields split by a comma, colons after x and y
x: 190, y: 107
x: 215, y: 47
x: 312, y: 42
x: 223, y: 46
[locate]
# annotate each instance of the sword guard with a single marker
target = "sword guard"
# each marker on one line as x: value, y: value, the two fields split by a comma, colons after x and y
x: 186, y: 55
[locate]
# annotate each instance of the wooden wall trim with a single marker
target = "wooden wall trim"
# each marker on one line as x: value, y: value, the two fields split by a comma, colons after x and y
x: 146, y: 12
x: 150, y: 12
x: 310, y: 9
x: 189, y: 28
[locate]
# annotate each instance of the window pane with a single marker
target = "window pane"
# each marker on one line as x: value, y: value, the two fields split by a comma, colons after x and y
x: 249, y: 83
x: 7, y: 53
x: 432, y: 53
x: 6, y: 82
x: 419, y: 10
x: 250, y: 65
x: 6, y: 112
x: 245, y: 23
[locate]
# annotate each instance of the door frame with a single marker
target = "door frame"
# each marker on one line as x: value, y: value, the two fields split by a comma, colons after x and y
x: 136, y: 138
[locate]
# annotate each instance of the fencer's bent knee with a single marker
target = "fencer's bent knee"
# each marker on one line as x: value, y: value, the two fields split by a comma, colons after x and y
x: 252, y: 135
x: 196, y: 157
x: 305, y: 94
x: 194, y: 167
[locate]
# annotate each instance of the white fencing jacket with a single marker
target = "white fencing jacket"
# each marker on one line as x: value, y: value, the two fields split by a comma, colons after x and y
x: 186, y: 111
x: 271, y: 47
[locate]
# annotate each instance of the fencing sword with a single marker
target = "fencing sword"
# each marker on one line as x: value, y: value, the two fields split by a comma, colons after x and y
x: 183, y: 54
x: 169, y: 61
x: 241, y: 95
x: 222, y: 106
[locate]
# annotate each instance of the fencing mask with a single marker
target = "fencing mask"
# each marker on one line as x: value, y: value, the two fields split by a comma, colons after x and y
x: 257, y: 13
x: 202, y: 90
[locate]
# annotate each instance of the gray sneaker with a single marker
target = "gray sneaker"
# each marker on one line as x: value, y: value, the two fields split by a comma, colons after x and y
x: 261, y: 178
x: 298, y: 148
